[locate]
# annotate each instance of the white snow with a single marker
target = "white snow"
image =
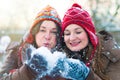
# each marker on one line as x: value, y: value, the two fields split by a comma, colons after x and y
x: 50, y: 57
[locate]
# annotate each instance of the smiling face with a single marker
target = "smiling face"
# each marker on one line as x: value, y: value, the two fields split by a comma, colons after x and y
x: 75, y: 37
x: 46, y: 35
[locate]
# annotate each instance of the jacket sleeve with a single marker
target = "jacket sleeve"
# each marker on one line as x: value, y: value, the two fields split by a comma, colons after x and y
x: 11, y: 71
x: 23, y: 73
x: 9, y: 64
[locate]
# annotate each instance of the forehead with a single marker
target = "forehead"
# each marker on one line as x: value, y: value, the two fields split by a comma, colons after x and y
x: 48, y: 24
x: 73, y: 26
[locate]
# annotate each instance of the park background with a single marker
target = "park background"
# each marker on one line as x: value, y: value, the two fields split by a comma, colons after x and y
x: 16, y: 16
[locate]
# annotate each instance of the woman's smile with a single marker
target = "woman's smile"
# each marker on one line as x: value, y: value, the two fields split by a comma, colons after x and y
x: 74, y: 44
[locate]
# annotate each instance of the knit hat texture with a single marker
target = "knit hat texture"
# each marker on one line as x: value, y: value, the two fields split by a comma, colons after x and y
x: 47, y: 13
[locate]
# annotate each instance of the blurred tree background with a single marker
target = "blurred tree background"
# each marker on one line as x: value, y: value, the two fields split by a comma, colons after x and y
x: 105, y: 14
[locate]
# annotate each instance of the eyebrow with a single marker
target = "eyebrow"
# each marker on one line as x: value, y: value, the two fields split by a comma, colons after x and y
x: 42, y: 27
x: 78, y: 28
x: 51, y: 28
x: 75, y: 29
x: 66, y: 30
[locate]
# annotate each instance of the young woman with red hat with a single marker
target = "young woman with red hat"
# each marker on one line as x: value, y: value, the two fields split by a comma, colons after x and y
x: 98, y: 51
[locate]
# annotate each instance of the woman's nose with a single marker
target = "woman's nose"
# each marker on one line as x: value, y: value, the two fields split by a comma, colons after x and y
x: 47, y: 36
x: 72, y: 37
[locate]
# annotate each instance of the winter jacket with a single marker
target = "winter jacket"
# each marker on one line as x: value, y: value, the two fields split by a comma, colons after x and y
x: 15, y: 69
x: 106, y: 62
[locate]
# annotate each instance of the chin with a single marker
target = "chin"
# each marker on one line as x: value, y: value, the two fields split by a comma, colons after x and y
x: 75, y: 50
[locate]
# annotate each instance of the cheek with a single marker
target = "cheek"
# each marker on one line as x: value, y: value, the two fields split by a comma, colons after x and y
x: 65, y: 39
x: 53, y: 42
x: 83, y: 36
x: 38, y: 39
x: 85, y: 40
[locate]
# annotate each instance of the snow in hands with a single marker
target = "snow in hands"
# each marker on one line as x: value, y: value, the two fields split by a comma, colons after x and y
x: 43, y: 62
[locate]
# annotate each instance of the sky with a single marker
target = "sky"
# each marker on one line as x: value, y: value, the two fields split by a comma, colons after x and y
x: 20, y: 13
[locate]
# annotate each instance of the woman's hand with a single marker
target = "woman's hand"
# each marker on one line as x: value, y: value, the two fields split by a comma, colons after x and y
x: 70, y: 69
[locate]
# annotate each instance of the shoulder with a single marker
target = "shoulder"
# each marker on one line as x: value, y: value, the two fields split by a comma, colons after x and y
x: 12, y: 45
x: 107, y: 53
x: 109, y: 46
x: 12, y: 48
x: 110, y: 50
x: 105, y: 35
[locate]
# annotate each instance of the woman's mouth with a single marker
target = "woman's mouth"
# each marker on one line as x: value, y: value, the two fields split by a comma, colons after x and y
x: 73, y: 44
x: 46, y: 44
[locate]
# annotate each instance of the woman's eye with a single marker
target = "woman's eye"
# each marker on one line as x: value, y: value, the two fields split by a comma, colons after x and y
x: 54, y: 32
x: 41, y: 30
x: 66, y: 34
x: 78, y: 32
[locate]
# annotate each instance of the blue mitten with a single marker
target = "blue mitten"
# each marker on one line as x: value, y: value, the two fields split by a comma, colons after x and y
x: 70, y: 69
x: 58, y: 69
x: 38, y: 61
x: 38, y: 64
x: 76, y: 70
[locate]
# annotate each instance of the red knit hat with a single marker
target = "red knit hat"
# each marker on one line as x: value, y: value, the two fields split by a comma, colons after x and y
x: 76, y: 15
